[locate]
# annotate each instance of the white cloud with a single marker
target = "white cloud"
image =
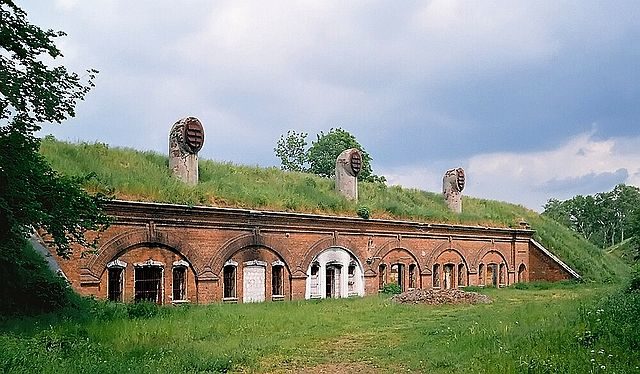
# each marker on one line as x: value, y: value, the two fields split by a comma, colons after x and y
x: 582, y: 165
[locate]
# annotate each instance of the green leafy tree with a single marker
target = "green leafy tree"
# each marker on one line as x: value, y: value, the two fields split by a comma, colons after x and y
x: 33, y: 92
x: 327, y: 147
x: 291, y: 149
x: 605, y: 218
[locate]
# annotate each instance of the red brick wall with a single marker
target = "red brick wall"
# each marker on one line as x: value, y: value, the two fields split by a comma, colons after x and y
x: 207, y: 238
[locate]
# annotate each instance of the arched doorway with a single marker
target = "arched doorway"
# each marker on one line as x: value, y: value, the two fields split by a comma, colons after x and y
x: 334, y: 273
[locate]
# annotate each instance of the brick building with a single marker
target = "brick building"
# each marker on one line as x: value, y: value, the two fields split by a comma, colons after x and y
x: 174, y: 254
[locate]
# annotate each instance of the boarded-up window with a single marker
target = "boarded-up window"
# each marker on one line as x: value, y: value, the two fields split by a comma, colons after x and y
x: 179, y: 283
x: 229, y: 275
x: 115, y: 283
x: 412, y: 276
x: 148, y: 284
x: 277, y: 288
x: 436, y: 275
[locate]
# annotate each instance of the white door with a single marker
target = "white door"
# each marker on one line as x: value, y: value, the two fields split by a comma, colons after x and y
x: 253, y: 284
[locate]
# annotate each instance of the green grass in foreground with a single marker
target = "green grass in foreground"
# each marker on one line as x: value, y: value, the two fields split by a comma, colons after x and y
x: 144, y: 176
x: 567, y: 328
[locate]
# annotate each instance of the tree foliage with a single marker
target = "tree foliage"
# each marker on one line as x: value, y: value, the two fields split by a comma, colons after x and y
x: 33, y: 92
x: 605, y: 218
x: 320, y: 158
x: 291, y: 149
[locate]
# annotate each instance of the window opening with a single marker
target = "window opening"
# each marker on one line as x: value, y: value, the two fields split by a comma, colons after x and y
x: 492, y: 274
x: 277, y: 288
x: 315, y: 286
x: 521, y: 273
x: 382, y: 276
x: 412, y: 276
x: 502, y: 274
x: 436, y: 275
x: 148, y: 284
x: 115, y: 283
x: 229, y: 275
x: 481, y: 275
x: 461, y: 275
x: 179, y: 283
x: 448, y: 276
x: 351, y: 271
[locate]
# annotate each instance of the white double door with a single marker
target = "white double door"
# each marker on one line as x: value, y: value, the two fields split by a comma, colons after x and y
x: 253, y: 284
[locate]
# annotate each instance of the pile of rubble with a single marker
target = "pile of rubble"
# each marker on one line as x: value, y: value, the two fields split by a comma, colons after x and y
x: 437, y: 297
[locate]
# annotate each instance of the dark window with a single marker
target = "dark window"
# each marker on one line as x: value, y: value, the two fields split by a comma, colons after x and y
x: 277, y: 281
x: 115, y: 283
x: 382, y: 276
x: 481, y: 275
x: 179, y: 283
x: 436, y: 275
x: 229, y: 281
x: 148, y: 284
x: 412, y: 276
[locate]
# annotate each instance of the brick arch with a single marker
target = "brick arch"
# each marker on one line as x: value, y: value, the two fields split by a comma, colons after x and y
x: 240, y: 242
x: 335, y: 241
x: 389, y: 246
x: 488, y: 249
x: 122, y: 242
x: 440, y: 249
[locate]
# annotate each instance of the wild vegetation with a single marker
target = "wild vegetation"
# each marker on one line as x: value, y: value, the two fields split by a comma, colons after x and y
x: 130, y: 174
x: 35, y: 90
x: 605, y: 219
x: 541, y: 329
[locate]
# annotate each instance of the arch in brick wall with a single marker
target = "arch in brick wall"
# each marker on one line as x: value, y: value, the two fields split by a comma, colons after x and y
x: 389, y: 246
x: 485, y: 251
x: 240, y: 242
x: 138, y: 237
x: 334, y: 241
x: 440, y: 249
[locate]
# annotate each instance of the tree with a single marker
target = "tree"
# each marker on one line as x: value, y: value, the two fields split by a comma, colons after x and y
x: 291, y: 151
x: 320, y: 158
x: 327, y: 147
x: 604, y: 219
x: 33, y: 93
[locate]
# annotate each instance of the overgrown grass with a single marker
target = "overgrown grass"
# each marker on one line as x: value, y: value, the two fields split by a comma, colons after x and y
x: 566, y: 328
x: 144, y: 176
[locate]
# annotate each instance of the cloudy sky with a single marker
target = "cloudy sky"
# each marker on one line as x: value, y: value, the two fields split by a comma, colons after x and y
x: 535, y: 99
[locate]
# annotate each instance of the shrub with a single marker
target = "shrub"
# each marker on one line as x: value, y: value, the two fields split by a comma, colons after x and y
x: 391, y: 289
x: 363, y: 212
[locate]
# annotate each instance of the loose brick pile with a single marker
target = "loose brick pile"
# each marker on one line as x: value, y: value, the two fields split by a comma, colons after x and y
x: 437, y: 297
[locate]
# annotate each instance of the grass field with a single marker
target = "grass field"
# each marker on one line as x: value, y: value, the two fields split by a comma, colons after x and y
x: 144, y: 176
x: 567, y: 328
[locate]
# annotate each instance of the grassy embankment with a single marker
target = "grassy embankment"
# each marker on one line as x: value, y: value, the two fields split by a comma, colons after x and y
x: 144, y: 176
x: 568, y: 328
